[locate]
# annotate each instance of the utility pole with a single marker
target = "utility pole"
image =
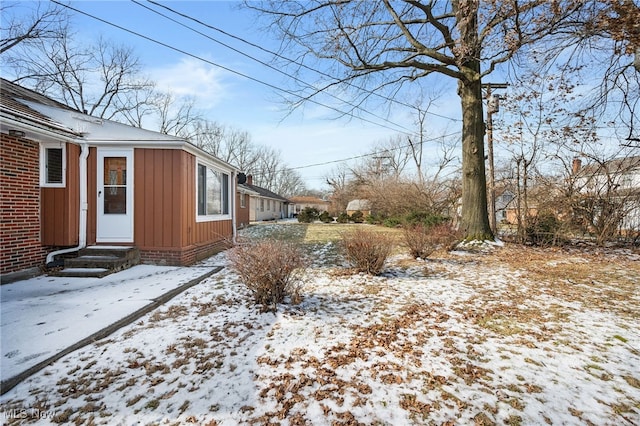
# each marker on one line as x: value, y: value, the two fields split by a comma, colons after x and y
x: 493, y: 106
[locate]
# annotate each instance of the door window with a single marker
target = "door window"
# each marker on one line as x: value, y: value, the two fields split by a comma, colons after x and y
x: 115, y: 185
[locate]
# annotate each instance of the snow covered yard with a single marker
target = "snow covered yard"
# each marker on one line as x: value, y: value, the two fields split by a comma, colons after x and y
x: 512, y: 336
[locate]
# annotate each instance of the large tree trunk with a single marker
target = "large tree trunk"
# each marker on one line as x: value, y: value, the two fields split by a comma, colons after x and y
x: 475, y: 217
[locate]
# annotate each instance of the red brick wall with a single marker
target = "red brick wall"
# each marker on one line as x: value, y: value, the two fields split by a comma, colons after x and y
x: 181, y: 257
x: 20, y: 246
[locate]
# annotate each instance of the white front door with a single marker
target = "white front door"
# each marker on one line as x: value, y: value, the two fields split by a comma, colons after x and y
x: 115, y: 196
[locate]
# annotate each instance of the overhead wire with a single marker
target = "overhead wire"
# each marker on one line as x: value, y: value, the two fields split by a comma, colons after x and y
x: 257, y: 80
x: 273, y: 86
x: 278, y: 70
x: 276, y: 54
x: 356, y: 157
x: 301, y: 64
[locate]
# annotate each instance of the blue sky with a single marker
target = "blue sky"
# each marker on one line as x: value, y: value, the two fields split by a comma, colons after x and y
x: 308, y: 135
x: 312, y: 134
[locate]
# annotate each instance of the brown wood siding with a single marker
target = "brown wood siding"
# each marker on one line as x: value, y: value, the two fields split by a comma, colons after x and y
x: 165, y: 203
x: 157, y: 181
x: 198, y: 233
x: 242, y: 213
x: 60, y: 215
x: 188, y: 200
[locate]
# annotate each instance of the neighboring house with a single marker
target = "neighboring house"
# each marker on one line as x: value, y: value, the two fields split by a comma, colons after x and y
x: 243, y: 205
x: 505, y: 206
x: 71, y: 180
x: 302, y: 202
x: 615, y: 180
x: 266, y: 205
x: 359, y: 205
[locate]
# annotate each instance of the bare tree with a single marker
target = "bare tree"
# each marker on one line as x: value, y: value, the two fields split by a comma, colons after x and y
x: 100, y: 79
x: 342, y: 187
x: 386, y: 45
x: 142, y: 107
x: 46, y: 21
x: 601, y: 189
x: 289, y: 183
x: 271, y: 173
x: 267, y: 167
x: 417, y: 142
x: 235, y: 147
x: 227, y: 143
x: 388, y: 159
x: 610, y: 39
x: 176, y: 116
x: 241, y: 151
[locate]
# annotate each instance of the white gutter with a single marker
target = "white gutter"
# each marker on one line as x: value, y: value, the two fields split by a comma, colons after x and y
x: 19, y: 125
x: 84, y: 205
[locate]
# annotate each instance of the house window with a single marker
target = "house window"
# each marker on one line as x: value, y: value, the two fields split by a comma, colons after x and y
x: 243, y: 202
x: 53, y: 165
x: 262, y: 205
x: 213, y: 193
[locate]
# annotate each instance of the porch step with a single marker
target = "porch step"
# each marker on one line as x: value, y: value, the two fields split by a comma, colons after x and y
x: 83, y: 272
x: 99, y: 261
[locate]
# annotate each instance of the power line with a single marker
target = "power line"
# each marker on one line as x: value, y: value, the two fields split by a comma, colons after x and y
x: 301, y: 64
x: 252, y: 79
x: 373, y: 153
x: 308, y: 85
x: 216, y: 64
x: 363, y: 155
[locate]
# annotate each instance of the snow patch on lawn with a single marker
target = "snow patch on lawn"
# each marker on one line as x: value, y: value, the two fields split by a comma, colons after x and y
x: 452, y: 339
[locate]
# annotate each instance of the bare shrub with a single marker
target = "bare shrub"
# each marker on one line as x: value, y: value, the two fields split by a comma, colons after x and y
x: 445, y: 236
x: 419, y: 241
x: 367, y: 250
x: 271, y: 269
x: 423, y: 240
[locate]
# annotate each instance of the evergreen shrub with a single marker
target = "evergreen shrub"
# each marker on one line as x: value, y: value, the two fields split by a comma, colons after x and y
x: 325, y: 217
x: 342, y: 218
x: 308, y: 215
x: 357, y: 217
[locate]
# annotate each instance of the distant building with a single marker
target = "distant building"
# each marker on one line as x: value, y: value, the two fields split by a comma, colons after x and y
x: 301, y: 203
x: 617, y: 181
x: 359, y: 205
x: 264, y: 204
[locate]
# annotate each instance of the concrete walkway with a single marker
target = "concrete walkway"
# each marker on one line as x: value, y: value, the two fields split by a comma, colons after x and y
x: 45, y: 318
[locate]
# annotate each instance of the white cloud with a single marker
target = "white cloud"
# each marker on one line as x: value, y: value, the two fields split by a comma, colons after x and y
x: 193, y: 78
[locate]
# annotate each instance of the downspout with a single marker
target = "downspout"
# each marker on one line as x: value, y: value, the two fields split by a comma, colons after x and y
x: 82, y: 231
x: 234, y: 186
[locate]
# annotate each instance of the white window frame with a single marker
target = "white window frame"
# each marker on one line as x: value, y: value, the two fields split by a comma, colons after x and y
x: 43, y: 164
x: 243, y: 201
x: 213, y: 217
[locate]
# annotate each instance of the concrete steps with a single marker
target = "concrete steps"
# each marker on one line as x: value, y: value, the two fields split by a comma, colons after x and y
x: 99, y: 261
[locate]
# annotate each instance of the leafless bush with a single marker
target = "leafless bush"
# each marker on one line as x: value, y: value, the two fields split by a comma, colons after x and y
x: 445, y: 236
x: 367, y: 250
x: 419, y: 241
x: 423, y: 240
x: 271, y: 269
